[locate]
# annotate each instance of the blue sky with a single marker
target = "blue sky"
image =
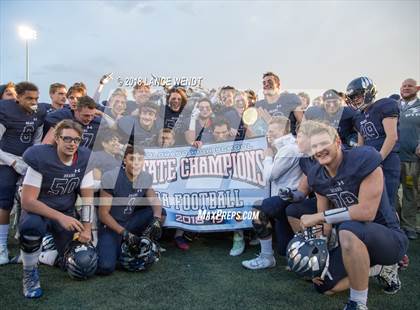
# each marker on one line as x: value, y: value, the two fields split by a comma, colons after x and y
x: 312, y: 45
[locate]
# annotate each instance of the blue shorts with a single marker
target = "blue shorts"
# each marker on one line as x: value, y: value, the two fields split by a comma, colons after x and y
x: 386, y: 246
x: 8, y: 180
x: 109, y: 242
x: 296, y: 210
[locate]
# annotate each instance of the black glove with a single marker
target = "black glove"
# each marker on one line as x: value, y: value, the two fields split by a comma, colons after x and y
x: 291, y: 195
x: 130, y: 238
x: 286, y: 194
x: 154, y: 230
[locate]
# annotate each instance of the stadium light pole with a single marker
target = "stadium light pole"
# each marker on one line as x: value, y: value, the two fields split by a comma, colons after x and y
x: 27, y: 34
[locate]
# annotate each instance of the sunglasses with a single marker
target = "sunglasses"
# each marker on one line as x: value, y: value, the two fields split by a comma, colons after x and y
x: 68, y: 139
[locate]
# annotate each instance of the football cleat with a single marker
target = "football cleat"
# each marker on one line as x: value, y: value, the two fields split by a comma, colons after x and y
x: 389, y: 279
x: 4, y: 255
x: 260, y: 262
x: 31, y: 283
x: 48, y: 257
x: 352, y: 305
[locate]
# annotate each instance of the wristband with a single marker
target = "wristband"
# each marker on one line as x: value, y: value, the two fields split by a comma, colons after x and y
x: 87, y: 213
x: 338, y: 215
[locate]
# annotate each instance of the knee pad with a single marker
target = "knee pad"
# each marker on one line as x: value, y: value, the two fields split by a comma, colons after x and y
x: 263, y: 229
x: 30, y: 244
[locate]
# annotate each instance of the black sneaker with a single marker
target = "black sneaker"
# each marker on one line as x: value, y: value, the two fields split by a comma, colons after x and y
x: 389, y: 279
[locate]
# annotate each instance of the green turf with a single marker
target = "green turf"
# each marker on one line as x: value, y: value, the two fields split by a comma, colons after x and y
x: 205, y: 277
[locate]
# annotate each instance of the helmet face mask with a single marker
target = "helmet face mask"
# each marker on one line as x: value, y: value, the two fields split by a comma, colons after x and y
x: 308, y: 255
x: 81, y: 260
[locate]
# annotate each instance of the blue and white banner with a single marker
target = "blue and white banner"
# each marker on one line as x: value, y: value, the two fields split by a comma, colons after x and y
x: 212, y: 188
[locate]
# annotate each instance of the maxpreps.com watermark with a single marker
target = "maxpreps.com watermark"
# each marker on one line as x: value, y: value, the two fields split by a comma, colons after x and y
x: 220, y: 215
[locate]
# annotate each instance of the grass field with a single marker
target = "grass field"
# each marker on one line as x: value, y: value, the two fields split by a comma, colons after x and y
x: 205, y: 277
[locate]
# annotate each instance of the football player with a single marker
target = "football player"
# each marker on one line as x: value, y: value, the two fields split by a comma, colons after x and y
x: 56, y: 174
x: 84, y: 114
x: 128, y: 204
x: 278, y: 104
x: 21, y: 122
x: 7, y: 91
x: 349, y: 186
x: 58, y: 97
x: 377, y: 126
x: 281, y: 169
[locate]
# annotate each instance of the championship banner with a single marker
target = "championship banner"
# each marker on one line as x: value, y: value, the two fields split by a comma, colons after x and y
x: 212, y: 188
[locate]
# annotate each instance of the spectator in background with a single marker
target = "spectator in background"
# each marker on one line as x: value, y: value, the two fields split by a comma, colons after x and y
x: 410, y: 156
x: 252, y: 97
x: 317, y: 101
x: 165, y: 138
x: 58, y: 97
x: 117, y: 104
x: 7, y: 91
x: 174, y: 115
x: 200, y: 127
x: 141, y: 94
x: 304, y: 98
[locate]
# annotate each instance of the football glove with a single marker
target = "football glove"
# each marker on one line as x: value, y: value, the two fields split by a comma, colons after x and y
x: 154, y: 230
x: 130, y: 238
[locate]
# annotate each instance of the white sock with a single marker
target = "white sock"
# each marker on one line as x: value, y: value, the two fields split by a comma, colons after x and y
x: 179, y: 233
x: 267, y: 246
x: 375, y: 270
x: 30, y: 260
x: 4, y: 233
x: 359, y: 296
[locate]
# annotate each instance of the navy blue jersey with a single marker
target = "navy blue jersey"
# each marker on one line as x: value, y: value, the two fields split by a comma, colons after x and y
x: 177, y: 121
x: 20, y: 125
x: 284, y: 106
x: 89, y: 131
x: 60, y: 183
x: 343, y: 189
x: 342, y: 120
x: 104, y: 161
x: 130, y: 128
x: 369, y: 122
x: 116, y: 183
x: 306, y: 163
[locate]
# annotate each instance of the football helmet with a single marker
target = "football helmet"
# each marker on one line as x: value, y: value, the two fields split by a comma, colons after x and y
x: 308, y: 255
x: 360, y: 93
x: 80, y: 260
x: 140, y: 256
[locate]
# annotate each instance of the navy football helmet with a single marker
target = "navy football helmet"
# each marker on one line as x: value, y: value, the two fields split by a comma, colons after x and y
x: 360, y: 93
x: 308, y: 255
x: 81, y: 260
x: 140, y: 256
